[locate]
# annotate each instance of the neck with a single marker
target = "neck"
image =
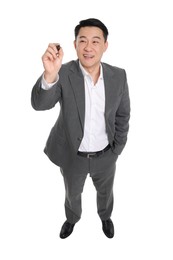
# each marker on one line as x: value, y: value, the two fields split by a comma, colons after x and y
x: 94, y: 72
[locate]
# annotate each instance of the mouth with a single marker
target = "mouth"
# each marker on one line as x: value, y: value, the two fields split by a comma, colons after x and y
x: 88, y: 56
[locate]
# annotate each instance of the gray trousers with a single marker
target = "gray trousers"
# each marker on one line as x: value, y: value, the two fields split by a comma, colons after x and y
x: 102, y: 171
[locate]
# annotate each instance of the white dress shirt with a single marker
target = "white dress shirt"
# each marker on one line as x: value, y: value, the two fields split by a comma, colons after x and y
x: 95, y: 137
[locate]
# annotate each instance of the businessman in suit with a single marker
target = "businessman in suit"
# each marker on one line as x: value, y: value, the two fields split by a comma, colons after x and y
x: 92, y: 126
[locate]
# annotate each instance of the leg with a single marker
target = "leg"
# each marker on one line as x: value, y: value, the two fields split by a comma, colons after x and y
x: 104, y: 186
x: 74, y: 184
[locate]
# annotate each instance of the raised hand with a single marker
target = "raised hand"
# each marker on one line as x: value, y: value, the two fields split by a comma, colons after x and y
x: 52, y: 61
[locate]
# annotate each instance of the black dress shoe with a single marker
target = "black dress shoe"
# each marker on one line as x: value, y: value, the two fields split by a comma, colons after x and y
x: 66, y: 230
x: 108, y: 228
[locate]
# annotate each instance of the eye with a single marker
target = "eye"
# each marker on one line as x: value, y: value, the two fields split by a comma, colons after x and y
x: 82, y: 41
x: 95, y: 42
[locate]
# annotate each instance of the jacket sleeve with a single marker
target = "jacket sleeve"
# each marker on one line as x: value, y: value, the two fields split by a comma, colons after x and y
x: 45, y: 99
x: 122, y: 120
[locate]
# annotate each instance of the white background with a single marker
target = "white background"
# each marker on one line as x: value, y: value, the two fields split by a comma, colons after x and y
x: 31, y: 187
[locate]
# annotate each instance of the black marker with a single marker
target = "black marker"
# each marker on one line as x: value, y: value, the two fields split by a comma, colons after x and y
x: 58, y: 47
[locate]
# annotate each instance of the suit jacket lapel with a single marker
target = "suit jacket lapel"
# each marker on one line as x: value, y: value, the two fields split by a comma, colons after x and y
x: 77, y: 84
x: 110, y: 84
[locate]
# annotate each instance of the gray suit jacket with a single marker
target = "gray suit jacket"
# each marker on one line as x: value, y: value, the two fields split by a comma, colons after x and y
x: 66, y: 135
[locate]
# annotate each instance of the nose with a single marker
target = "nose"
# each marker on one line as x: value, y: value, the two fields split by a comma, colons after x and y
x: 88, y: 46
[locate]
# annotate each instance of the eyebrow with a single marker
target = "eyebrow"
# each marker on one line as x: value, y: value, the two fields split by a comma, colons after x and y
x: 95, y: 37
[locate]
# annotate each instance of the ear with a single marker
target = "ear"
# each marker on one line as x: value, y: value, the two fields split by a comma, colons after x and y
x: 106, y: 46
x: 74, y: 43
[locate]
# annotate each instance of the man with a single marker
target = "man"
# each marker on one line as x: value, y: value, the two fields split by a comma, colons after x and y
x: 93, y: 123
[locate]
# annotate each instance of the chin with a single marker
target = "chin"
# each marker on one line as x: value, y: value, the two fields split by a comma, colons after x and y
x: 87, y: 63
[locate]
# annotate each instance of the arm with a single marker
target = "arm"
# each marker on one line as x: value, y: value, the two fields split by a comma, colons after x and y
x: 42, y: 99
x: 122, y: 120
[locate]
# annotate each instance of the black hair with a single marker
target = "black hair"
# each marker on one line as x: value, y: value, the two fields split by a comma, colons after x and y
x: 91, y: 22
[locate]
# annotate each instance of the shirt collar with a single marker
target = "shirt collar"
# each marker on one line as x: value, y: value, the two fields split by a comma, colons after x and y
x: 85, y: 73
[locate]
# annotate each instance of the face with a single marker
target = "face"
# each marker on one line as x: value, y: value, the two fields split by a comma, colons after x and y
x: 90, y: 46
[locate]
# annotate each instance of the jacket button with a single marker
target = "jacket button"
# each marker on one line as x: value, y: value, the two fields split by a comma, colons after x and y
x: 79, y: 139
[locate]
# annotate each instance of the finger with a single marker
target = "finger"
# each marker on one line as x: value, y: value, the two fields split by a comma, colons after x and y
x: 52, y: 51
x: 55, y: 47
x: 48, y: 56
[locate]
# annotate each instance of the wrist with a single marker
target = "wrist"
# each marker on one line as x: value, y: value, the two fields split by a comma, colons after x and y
x: 50, y: 77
